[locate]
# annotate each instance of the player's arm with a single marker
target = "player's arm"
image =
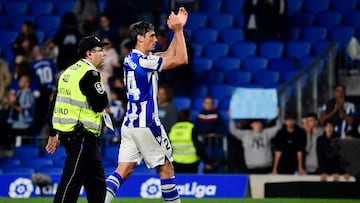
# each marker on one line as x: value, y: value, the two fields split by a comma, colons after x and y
x: 176, y: 23
x: 93, y: 89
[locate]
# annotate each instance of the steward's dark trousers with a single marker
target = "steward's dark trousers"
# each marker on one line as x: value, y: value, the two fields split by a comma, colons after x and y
x: 83, y: 166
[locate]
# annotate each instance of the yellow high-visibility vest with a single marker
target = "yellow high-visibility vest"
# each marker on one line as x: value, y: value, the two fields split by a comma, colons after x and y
x: 180, y: 136
x: 71, y: 104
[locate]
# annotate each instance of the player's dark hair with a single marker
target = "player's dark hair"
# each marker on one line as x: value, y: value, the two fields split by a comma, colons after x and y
x: 139, y: 28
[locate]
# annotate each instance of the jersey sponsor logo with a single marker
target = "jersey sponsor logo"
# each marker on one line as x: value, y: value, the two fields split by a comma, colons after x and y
x: 151, y: 188
x: 99, y: 88
x: 21, y: 188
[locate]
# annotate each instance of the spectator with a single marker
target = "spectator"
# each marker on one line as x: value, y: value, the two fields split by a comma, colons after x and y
x: 187, y: 150
x: 167, y: 108
x: 289, y: 144
x: 5, y: 78
x: 271, y: 18
x: 108, y: 30
x: 327, y: 152
x: 116, y: 111
x: 21, y: 112
x: 340, y: 111
x: 211, y: 128
x: 125, y: 49
x: 111, y: 62
x: 67, y: 39
x: 257, y: 145
x: 87, y: 13
x: 43, y: 80
x: 313, y: 132
x: 24, y: 44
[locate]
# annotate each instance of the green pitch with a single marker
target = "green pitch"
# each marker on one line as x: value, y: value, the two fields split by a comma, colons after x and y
x: 191, y: 200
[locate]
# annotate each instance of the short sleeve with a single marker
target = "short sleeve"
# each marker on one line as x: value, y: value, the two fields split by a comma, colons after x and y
x: 152, y: 62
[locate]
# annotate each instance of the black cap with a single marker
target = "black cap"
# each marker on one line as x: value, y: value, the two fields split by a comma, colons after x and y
x: 89, y: 42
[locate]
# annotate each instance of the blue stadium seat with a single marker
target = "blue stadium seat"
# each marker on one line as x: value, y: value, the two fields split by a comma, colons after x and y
x: 220, y: 21
x: 142, y: 169
x: 313, y: 34
x: 211, y: 77
x: 201, y: 64
x: 48, y: 23
x: 9, y: 35
x: 243, y: 49
x: 199, y: 90
x: 319, y: 46
x: 21, y: 170
x: 51, y: 170
x: 304, y: 61
x: 238, y: 78
x: 302, y: 19
x: 40, y: 35
x: 4, y: 22
x: 316, y: 6
x: 109, y: 170
x: 281, y: 64
x: 343, y: 6
x: 341, y: 34
x: 221, y: 91
x: 182, y: 102
x: 298, y: 49
x: 292, y: 33
x: 111, y: 153
x: 60, y: 152
x: 62, y: 7
x: 38, y: 8
x: 196, y: 21
x: 267, y: 77
x: 197, y: 48
x: 13, y: 8
x: 255, y: 63
x: 226, y: 64
x: 233, y: 7
x: 231, y: 35
x: 329, y: 19
x: 293, y: 6
x: 26, y: 152
x: 7, y: 163
x: 16, y: 22
x: 210, y: 7
x: 285, y: 76
x: 60, y: 161
x: 271, y: 49
x: 38, y: 162
x: 239, y: 20
x: 215, y: 50
x: 351, y: 18
x: 205, y: 35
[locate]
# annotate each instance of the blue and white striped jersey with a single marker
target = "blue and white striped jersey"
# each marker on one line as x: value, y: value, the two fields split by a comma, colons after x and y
x: 141, y: 84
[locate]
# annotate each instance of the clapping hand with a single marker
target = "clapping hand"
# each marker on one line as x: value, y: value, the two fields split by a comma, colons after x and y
x: 182, y: 15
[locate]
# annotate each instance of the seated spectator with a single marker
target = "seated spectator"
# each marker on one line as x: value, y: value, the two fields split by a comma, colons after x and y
x: 328, y: 153
x: 187, y: 150
x: 211, y: 128
x: 257, y: 145
x: 289, y: 144
x: 167, y: 108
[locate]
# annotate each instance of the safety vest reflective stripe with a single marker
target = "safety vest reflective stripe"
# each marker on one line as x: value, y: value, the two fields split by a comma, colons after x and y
x: 73, y: 102
x: 71, y: 121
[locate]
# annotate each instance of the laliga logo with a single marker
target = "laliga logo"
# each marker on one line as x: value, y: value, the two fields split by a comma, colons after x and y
x: 21, y: 188
x: 152, y: 189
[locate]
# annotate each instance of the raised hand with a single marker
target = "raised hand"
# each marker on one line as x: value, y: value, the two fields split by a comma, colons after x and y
x: 182, y: 15
x: 174, y: 23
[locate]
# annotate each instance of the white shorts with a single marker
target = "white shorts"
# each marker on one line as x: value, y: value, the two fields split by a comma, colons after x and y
x: 138, y: 143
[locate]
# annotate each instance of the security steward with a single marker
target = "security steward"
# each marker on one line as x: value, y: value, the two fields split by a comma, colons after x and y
x: 187, y: 150
x: 76, y: 120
